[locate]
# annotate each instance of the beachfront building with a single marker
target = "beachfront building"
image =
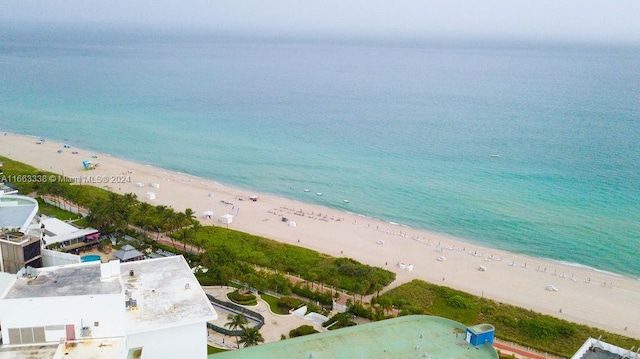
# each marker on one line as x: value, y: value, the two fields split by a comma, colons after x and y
x: 597, y: 349
x: 414, y: 336
x: 143, y: 309
x: 67, y: 237
x: 19, y: 233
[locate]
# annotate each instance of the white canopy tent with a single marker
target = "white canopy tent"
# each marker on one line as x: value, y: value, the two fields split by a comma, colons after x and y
x: 226, y: 218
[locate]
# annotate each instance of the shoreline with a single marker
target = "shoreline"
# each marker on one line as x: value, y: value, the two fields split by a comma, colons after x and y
x: 585, y: 295
x: 342, y: 210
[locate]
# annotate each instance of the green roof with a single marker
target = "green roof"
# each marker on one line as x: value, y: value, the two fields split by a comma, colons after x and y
x: 404, y: 337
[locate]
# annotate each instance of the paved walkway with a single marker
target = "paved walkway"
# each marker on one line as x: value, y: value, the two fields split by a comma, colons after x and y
x: 275, y: 325
x: 517, y: 351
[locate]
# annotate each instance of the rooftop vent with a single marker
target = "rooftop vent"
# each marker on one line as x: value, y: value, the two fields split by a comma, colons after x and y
x: 131, y: 273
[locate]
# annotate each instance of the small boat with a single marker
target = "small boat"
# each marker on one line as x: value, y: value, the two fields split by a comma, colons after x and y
x: 306, y: 190
x: 319, y: 193
x: 346, y: 200
x: 494, y: 155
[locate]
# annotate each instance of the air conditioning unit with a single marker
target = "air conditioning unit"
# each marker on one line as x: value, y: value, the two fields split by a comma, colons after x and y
x: 85, y: 332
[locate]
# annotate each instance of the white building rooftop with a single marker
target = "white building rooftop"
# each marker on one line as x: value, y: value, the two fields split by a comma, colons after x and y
x: 166, y: 293
x: 65, y: 280
x: 57, y: 231
x: 80, y: 349
x: 597, y: 349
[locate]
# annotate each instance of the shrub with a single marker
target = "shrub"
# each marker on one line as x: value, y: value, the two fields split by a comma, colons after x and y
x: 458, y: 301
x: 302, y: 330
x: 242, y: 299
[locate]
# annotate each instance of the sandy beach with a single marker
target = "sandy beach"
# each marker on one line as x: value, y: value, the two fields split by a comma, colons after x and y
x: 583, y: 295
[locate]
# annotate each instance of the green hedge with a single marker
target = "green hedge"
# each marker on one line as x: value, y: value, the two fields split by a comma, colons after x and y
x: 242, y: 299
x: 302, y: 330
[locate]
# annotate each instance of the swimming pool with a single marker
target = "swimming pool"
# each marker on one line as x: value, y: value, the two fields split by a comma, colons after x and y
x: 90, y: 258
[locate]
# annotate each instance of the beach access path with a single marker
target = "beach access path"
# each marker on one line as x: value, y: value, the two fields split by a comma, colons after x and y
x: 583, y: 295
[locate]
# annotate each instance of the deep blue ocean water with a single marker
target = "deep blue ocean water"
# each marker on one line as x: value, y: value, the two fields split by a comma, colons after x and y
x: 402, y: 129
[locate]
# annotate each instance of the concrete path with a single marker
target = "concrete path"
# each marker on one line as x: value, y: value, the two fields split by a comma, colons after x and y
x: 275, y: 325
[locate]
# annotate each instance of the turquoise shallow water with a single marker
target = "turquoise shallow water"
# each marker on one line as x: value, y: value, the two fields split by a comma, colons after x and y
x: 402, y: 130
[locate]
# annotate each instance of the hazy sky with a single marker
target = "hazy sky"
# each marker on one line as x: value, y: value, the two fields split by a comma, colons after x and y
x: 582, y: 20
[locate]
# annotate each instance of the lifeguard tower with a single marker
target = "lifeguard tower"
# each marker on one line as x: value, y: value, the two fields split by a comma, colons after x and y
x: 88, y: 165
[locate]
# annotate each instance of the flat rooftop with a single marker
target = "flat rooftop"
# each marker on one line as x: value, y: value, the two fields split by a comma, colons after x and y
x: 598, y: 353
x: 66, y: 280
x: 596, y: 349
x: 81, y: 349
x: 405, y: 337
x: 166, y: 293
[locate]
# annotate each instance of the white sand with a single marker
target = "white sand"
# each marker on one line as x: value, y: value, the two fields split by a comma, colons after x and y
x: 584, y: 295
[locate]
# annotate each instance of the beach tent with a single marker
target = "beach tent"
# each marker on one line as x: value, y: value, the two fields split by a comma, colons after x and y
x: 225, y: 218
x: 207, y: 214
x: 292, y: 224
x: 151, y: 196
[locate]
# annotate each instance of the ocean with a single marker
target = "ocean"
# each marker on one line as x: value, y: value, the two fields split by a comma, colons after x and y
x: 523, y: 146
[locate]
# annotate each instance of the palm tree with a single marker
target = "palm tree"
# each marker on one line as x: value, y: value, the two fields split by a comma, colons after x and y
x: 189, y: 216
x: 236, y: 322
x: 251, y: 337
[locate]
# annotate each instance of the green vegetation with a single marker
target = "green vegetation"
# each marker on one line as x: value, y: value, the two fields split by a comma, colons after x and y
x: 235, y: 322
x: 242, y: 298
x: 53, y: 211
x: 227, y: 248
x: 525, y: 327
x: 302, y: 330
x: 341, y: 320
x: 306, y: 290
x: 251, y: 337
x: 214, y: 350
x: 84, y: 196
x: 273, y: 303
x: 285, y: 304
x: 109, y: 212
